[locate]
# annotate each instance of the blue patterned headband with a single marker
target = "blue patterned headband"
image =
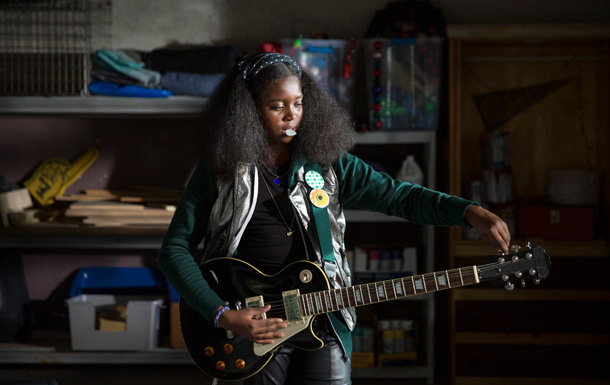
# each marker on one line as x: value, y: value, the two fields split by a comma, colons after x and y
x: 253, y: 64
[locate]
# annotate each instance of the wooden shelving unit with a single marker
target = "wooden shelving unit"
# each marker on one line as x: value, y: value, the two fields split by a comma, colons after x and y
x: 552, y: 333
x: 110, y: 240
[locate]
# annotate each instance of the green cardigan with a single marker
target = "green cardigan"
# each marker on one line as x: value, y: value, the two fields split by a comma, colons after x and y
x: 360, y: 186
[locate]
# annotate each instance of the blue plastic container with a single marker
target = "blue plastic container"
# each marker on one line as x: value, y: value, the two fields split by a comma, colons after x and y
x: 119, y: 280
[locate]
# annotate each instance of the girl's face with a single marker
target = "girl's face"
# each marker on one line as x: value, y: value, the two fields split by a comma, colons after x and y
x: 281, y: 108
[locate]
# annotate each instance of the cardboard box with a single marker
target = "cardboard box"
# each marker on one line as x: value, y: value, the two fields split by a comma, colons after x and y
x: 556, y: 222
x: 142, y: 327
x: 176, y: 339
x: 363, y: 359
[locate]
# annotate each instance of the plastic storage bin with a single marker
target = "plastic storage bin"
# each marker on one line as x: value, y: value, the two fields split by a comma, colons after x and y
x: 331, y: 62
x: 119, y: 280
x: 403, y: 81
x: 142, y: 327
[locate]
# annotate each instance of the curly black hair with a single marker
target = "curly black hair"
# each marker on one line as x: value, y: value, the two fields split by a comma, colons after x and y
x: 233, y: 131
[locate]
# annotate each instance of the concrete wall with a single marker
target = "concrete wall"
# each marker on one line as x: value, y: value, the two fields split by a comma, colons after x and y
x: 149, y: 24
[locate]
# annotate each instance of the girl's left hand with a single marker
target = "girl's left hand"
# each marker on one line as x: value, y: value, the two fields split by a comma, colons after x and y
x: 493, y: 229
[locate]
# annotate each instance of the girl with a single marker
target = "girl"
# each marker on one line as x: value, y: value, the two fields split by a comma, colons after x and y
x: 276, y: 153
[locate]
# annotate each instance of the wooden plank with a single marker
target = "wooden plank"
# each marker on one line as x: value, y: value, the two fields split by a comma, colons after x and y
x: 520, y: 294
x: 532, y: 338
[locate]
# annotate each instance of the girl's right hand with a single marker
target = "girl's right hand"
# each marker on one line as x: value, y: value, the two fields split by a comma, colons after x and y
x: 249, y: 323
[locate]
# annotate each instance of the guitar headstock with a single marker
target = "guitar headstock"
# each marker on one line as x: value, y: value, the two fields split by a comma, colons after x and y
x: 517, y: 266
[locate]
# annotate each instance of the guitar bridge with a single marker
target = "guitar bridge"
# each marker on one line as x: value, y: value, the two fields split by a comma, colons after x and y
x: 257, y: 301
x: 292, y: 308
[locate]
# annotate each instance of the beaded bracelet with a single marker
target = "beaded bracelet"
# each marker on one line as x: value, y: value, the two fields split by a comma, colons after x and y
x: 218, y: 313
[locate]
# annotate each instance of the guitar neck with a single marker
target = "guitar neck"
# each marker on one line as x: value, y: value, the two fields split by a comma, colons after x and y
x: 375, y: 292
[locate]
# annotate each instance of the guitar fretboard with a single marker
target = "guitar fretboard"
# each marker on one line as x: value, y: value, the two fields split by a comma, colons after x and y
x: 370, y: 293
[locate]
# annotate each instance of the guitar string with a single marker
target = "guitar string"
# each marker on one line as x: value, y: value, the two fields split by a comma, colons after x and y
x: 389, y: 284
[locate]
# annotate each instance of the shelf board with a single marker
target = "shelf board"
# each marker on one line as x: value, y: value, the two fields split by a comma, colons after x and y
x: 532, y: 338
x: 62, y: 237
x: 595, y: 248
x: 157, y: 356
x: 521, y: 294
x: 396, y: 137
x: 102, y: 105
x: 355, y: 215
x: 397, y: 373
x: 463, y: 380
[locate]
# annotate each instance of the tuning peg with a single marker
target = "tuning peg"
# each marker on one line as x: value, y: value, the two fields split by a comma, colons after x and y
x: 509, y: 286
x: 528, y: 245
x: 501, y: 260
x: 536, y: 281
x: 532, y: 271
x: 518, y: 274
x: 522, y: 282
x: 238, y: 305
x: 529, y: 256
x: 515, y: 248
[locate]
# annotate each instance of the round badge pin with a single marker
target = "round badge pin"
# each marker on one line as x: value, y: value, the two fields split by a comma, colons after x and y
x: 319, y: 198
x: 314, y: 179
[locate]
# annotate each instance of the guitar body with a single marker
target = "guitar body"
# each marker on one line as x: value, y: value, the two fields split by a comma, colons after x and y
x: 300, y: 292
x: 228, y: 356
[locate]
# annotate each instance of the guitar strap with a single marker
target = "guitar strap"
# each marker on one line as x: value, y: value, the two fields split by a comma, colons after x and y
x: 320, y: 214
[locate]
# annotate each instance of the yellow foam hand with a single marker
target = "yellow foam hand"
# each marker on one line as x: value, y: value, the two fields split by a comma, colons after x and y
x: 54, y: 175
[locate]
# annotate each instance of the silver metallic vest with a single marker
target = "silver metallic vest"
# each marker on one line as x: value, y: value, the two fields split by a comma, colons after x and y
x: 234, y: 207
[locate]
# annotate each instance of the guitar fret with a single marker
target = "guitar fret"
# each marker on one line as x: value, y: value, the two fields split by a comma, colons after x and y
x: 358, y: 294
x: 448, y: 280
x: 349, y: 304
x: 461, y: 277
x: 404, y: 289
x: 423, y: 279
x: 368, y: 292
x: 329, y: 306
x: 302, y: 303
x: 319, y: 302
x: 376, y: 292
x: 414, y: 288
x: 339, y: 299
x: 435, y: 281
x: 397, y: 289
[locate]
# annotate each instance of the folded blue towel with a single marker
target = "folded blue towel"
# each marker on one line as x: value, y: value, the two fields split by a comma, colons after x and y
x: 184, y: 83
x: 120, y: 62
x: 113, y: 89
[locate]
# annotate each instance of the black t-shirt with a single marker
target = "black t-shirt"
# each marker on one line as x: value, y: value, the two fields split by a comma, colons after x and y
x: 265, y: 243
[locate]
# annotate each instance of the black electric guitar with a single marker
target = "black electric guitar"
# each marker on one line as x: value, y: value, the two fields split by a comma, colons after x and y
x: 301, y: 291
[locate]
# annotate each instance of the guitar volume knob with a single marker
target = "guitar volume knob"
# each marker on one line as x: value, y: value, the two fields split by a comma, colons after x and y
x: 228, y: 348
x: 240, y: 364
x: 209, y: 351
x: 220, y: 366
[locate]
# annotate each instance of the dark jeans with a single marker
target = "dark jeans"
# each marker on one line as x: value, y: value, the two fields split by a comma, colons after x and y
x: 292, y: 366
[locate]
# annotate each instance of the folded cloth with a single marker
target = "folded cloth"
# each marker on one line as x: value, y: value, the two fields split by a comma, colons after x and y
x: 207, y: 60
x: 123, y: 63
x: 184, y: 83
x: 113, y: 89
x: 113, y: 77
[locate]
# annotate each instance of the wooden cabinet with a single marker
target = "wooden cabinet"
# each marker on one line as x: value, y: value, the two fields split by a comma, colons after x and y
x: 551, y: 97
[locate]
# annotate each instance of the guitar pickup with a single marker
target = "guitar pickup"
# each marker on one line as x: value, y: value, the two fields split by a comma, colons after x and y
x: 291, y: 307
x: 257, y: 301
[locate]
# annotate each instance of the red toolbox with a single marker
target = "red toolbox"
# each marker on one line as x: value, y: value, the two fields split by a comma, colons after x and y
x: 556, y: 222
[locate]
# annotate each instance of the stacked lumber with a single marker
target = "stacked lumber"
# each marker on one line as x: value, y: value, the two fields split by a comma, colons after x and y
x: 103, y: 208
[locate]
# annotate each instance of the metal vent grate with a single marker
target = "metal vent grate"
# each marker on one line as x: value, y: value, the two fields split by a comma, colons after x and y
x: 46, y: 45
